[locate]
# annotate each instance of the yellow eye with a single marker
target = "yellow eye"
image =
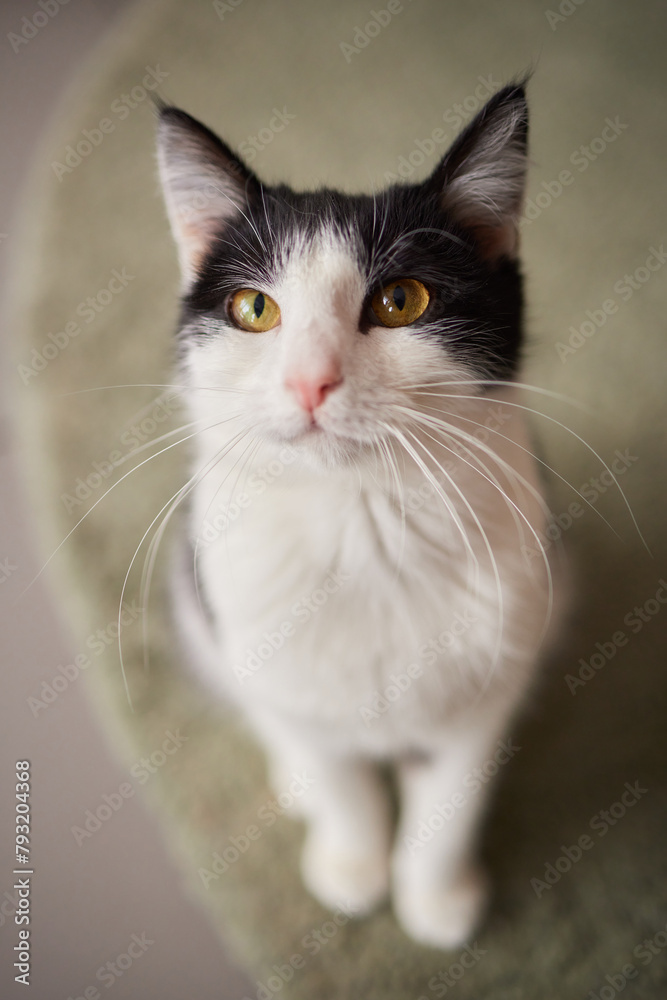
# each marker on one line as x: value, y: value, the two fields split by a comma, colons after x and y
x: 400, y: 302
x: 254, y: 311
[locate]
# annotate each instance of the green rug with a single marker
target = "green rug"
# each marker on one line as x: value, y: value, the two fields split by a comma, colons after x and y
x: 353, y: 95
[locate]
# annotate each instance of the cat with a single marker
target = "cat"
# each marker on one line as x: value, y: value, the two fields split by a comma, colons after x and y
x: 362, y: 497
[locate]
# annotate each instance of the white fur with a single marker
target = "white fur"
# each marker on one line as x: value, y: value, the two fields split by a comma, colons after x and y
x: 396, y: 572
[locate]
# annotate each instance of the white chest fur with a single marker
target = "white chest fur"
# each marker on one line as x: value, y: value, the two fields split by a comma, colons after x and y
x: 325, y: 594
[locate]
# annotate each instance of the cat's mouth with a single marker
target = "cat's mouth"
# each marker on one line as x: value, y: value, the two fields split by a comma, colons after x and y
x: 313, y: 426
x: 338, y: 437
x: 323, y: 429
x: 328, y: 447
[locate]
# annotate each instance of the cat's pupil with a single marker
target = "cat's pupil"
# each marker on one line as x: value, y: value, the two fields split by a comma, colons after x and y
x: 259, y: 305
x: 399, y: 297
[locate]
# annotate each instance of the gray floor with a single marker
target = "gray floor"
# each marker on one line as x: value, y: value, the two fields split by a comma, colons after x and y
x: 88, y: 900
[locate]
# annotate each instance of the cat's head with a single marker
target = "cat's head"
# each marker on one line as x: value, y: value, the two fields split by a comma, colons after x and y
x: 323, y: 319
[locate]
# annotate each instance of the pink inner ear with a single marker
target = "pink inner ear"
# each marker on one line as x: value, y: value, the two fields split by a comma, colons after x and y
x: 192, y: 243
x: 195, y: 238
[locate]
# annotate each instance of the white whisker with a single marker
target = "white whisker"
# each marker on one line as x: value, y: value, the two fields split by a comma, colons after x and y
x: 569, y: 430
x: 83, y: 517
x: 494, y: 565
x: 172, y: 504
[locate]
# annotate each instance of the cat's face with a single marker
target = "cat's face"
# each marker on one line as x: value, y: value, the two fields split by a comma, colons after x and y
x: 325, y: 320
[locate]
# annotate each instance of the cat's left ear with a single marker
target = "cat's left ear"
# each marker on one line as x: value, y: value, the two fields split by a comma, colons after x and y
x: 205, y: 186
x: 481, y: 180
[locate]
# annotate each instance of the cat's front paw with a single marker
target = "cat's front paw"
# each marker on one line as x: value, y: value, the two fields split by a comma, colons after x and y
x: 442, y: 915
x: 337, y: 876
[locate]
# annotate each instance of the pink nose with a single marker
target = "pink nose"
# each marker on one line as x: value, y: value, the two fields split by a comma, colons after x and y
x: 311, y: 392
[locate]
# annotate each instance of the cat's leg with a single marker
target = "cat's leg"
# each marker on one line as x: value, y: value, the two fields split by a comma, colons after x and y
x: 346, y: 854
x: 348, y: 841
x: 439, y: 888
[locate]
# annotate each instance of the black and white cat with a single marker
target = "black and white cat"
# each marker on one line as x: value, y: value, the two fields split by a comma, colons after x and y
x: 350, y: 364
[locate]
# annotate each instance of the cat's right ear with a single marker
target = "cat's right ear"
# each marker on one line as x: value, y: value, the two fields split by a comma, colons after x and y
x: 204, y: 185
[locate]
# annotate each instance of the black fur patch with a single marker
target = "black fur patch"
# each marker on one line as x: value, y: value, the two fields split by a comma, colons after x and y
x: 476, y: 304
x: 475, y: 308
